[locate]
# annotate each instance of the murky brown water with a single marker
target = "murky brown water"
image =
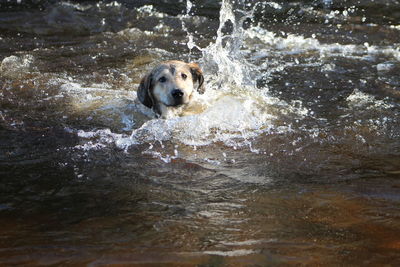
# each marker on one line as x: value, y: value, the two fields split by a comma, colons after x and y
x: 294, y: 161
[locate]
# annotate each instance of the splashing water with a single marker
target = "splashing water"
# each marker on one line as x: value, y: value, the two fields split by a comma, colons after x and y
x: 236, y: 109
x: 233, y: 110
x: 327, y: 3
x: 190, y: 43
x: 225, y: 54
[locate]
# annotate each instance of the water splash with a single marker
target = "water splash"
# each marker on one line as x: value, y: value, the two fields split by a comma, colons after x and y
x: 327, y: 3
x: 225, y: 56
x: 190, y: 43
x: 233, y: 110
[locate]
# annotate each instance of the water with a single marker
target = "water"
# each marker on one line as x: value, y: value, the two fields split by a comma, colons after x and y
x: 290, y: 157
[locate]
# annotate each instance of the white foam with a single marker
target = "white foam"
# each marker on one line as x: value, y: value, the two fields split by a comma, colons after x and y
x: 295, y: 44
x: 230, y: 115
x: 148, y: 10
x: 250, y: 242
x: 228, y: 118
x: 358, y: 99
x: 274, y: 5
x: 397, y: 27
x: 15, y: 66
x: 385, y: 66
x: 231, y: 253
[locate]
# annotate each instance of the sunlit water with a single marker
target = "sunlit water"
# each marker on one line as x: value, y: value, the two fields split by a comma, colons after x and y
x: 292, y: 156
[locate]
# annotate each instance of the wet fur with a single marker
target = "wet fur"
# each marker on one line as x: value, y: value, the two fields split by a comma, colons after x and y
x: 157, y: 95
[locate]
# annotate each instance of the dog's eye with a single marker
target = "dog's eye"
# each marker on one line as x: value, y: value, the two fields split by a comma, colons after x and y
x: 162, y: 79
x: 184, y: 76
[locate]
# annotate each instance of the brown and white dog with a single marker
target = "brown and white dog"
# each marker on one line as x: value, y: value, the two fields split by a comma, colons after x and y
x: 170, y: 86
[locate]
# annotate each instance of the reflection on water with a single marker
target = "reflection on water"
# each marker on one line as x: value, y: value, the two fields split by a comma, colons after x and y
x: 290, y: 157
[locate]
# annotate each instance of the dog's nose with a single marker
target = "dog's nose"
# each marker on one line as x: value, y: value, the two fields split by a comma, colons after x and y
x: 177, y: 93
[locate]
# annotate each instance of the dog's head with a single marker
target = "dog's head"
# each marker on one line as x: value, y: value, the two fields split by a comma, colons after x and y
x: 170, y: 83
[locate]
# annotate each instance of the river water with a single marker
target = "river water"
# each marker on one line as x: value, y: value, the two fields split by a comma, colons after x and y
x: 292, y: 155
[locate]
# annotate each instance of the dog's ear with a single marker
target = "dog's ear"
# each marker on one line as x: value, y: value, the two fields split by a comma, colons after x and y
x: 144, y: 91
x: 197, y: 75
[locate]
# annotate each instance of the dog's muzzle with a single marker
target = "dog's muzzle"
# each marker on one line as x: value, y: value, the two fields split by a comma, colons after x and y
x: 177, y: 95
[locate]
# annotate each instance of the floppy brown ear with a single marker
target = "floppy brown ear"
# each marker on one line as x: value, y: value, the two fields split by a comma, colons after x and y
x: 197, y: 75
x: 144, y: 91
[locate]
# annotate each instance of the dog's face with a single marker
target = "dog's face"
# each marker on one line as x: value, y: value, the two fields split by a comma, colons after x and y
x: 173, y: 84
x: 170, y: 84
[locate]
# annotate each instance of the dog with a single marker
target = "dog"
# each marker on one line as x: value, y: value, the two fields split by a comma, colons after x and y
x: 170, y: 86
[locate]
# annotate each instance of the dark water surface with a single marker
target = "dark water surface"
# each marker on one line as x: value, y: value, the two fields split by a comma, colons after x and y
x: 294, y: 157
